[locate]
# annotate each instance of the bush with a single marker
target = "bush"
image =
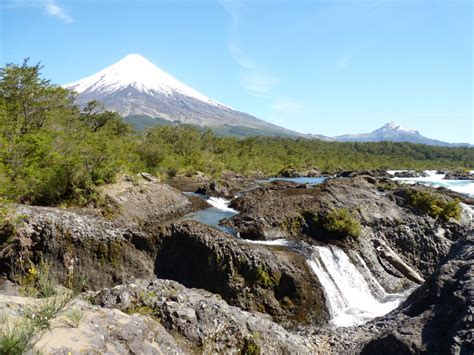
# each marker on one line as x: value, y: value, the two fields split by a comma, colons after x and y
x: 434, y: 205
x: 338, y: 223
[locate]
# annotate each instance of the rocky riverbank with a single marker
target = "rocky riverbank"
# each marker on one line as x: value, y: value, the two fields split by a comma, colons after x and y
x: 155, y: 284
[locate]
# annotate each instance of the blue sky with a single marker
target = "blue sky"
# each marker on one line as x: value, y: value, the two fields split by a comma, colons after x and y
x: 323, y: 67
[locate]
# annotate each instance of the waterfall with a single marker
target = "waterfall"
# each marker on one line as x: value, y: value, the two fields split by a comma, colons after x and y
x: 221, y: 204
x: 349, y: 296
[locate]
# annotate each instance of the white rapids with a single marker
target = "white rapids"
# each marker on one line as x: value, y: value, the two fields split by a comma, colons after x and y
x: 221, y: 204
x: 349, y: 295
x: 433, y: 179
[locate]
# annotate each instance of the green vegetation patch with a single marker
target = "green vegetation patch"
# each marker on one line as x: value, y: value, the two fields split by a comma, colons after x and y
x: 250, y: 347
x: 434, y: 204
x: 338, y: 223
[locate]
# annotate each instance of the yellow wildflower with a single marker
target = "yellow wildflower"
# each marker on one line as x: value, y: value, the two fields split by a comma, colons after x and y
x: 32, y: 271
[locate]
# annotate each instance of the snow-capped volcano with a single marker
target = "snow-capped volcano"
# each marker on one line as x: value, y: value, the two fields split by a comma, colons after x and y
x: 135, y: 86
x: 395, y: 127
x: 137, y: 72
x: 393, y: 132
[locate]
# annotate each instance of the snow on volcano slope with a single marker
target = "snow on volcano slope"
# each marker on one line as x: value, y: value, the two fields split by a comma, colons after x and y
x: 135, y: 86
x: 139, y: 73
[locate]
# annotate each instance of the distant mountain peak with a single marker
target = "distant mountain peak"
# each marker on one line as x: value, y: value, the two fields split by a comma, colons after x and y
x: 394, y: 132
x: 393, y: 126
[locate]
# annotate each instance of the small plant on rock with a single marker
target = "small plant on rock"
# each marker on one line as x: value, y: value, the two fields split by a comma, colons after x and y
x: 38, y: 281
x: 338, y: 223
x: 434, y: 205
x: 74, y: 317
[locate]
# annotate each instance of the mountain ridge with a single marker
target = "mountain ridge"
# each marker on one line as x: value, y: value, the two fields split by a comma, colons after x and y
x: 145, y: 95
x: 394, y: 132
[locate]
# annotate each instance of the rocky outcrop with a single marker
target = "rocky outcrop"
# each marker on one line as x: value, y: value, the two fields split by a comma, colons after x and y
x: 143, y: 202
x: 97, y: 331
x: 459, y: 175
x: 228, y: 185
x: 202, y: 322
x: 420, y: 240
x: 249, y: 276
x: 410, y: 174
x: 96, y: 248
x: 456, y: 174
x: 438, y: 317
x: 308, y: 171
x: 252, y: 277
x: 373, y: 173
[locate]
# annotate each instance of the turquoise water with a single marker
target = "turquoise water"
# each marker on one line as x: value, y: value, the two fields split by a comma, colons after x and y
x: 213, y: 215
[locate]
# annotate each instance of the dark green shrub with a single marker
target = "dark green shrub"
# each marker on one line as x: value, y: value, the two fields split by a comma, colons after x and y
x: 336, y: 224
x: 250, y: 347
x: 434, y: 205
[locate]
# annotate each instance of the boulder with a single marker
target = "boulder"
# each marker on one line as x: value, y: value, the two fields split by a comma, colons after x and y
x: 410, y: 174
x: 354, y: 173
x: 202, y: 322
x: 438, y: 317
x: 99, y: 250
x: 143, y: 203
x: 215, y: 188
x: 252, y: 277
x: 459, y: 175
x: 228, y: 187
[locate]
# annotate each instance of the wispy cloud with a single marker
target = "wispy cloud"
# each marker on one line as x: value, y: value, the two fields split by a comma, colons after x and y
x: 54, y: 9
x: 245, y: 61
x: 258, y: 84
x: 288, y: 106
x: 256, y: 79
x: 50, y: 7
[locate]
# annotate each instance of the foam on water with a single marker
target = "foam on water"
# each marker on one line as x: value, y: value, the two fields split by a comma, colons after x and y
x: 282, y: 242
x: 465, y: 187
x: 221, y: 204
x: 349, y: 296
x: 213, y: 215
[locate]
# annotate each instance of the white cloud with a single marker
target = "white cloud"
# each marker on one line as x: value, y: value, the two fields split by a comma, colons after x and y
x: 288, y: 105
x: 240, y: 57
x: 256, y: 79
x: 54, y: 9
x: 258, y: 84
x: 50, y: 7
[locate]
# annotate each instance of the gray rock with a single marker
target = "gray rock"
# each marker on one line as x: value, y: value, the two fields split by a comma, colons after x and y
x: 144, y: 203
x: 376, y: 203
x: 438, y: 317
x: 410, y: 174
x: 93, y: 247
x: 203, y: 322
x: 275, y: 281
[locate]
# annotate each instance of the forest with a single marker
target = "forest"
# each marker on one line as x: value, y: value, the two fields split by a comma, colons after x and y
x: 54, y: 152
